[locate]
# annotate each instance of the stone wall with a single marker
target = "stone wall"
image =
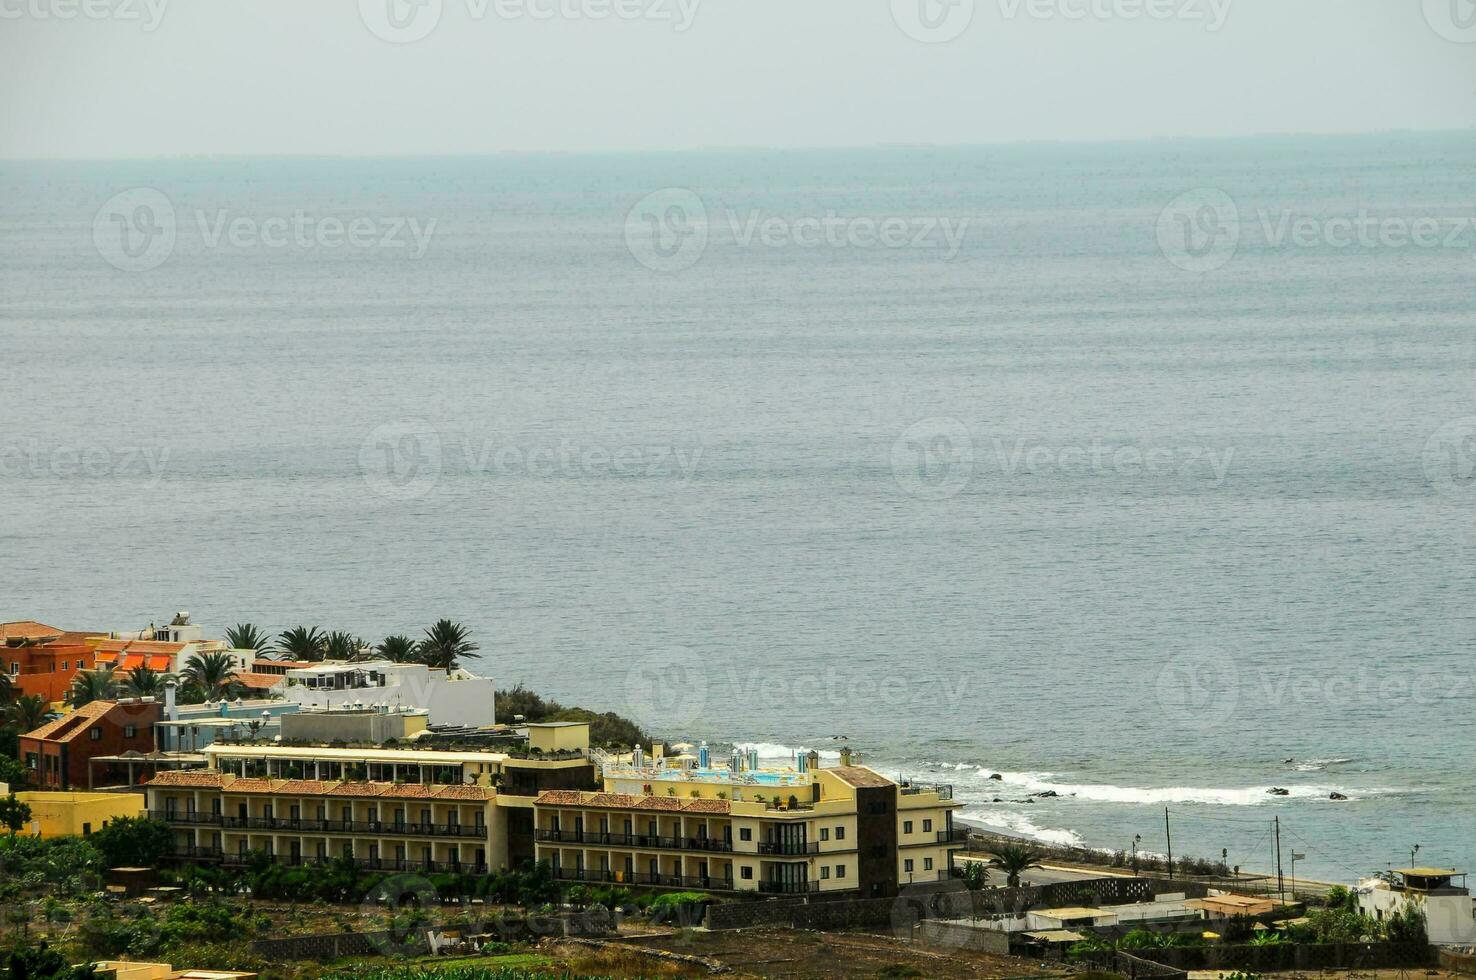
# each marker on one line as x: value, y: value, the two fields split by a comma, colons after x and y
x: 948, y: 935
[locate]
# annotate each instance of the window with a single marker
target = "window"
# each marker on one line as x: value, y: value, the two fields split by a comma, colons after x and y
x: 840, y: 833
x: 30, y: 760
x: 96, y: 733
x: 927, y: 826
x: 840, y: 870
x: 907, y: 866
x: 907, y: 826
x: 130, y: 731
x: 86, y: 829
x: 825, y: 833
x: 745, y: 833
x: 824, y: 871
x: 927, y: 864
x: 746, y: 874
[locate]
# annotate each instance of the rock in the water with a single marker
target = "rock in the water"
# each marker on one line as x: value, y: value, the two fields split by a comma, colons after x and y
x: 996, y: 777
x: 1047, y: 795
x: 1337, y: 796
x: 1278, y: 791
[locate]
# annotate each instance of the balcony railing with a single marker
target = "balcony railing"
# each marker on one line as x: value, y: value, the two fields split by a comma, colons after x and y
x: 788, y: 887
x: 708, y: 883
x: 789, y: 847
x: 368, y: 864
x: 944, y: 790
x: 954, y: 836
x: 323, y: 826
x: 708, y: 844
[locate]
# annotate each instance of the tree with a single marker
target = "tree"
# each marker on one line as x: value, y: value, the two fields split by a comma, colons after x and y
x: 399, y: 649
x: 214, y: 673
x: 28, y: 713
x: 42, y: 963
x: 14, y: 814
x: 975, y: 875
x: 12, y: 772
x: 521, y: 701
x: 1014, y: 860
x: 142, y: 682
x: 445, y: 645
x: 7, y: 688
x: 303, y: 643
x: 245, y: 636
x: 133, y: 842
x: 342, y: 645
x: 92, y: 685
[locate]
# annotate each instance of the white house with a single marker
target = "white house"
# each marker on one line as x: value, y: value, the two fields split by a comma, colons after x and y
x: 1450, y: 912
x: 462, y: 698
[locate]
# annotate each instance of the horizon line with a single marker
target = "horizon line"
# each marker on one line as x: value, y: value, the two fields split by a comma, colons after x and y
x: 749, y: 148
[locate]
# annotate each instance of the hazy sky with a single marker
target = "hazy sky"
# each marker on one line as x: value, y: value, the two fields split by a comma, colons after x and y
x: 105, y: 78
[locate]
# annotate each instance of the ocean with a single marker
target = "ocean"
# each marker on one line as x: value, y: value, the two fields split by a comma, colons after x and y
x: 1143, y: 474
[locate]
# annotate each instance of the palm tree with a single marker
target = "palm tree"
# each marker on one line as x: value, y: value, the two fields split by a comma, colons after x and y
x: 399, y: 649
x: 444, y: 645
x: 28, y: 713
x: 7, y: 688
x: 245, y: 636
x: 342, y: 645
x: 214, y: 673
x: 302, y: 643
x: 1013, y: 860
x: 144, y: 683
x: 92, y: 685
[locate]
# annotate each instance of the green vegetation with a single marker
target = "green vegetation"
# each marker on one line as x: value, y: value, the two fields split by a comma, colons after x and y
x: 133, y: 842
x: 92, y: 685
x: 1014, y: 860
x: 14, y: 814
x: 445, y: 645
x: 605, y: 729
x: 212, y: 673
x: 302, y: 643
x: 245, y: 636
x: 41, y: 962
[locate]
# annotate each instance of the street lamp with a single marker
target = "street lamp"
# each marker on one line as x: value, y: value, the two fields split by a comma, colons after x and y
x: 1295, y: 858
x: 1412, y: 852
x: 1137, y: 839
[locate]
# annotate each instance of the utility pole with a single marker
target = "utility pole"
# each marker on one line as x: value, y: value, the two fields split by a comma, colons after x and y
x: 1169, y: 839
x: 1280, y: 881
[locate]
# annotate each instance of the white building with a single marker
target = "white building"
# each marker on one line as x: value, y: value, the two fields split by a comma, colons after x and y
x: 1450, y: 912
x: 462, y: 698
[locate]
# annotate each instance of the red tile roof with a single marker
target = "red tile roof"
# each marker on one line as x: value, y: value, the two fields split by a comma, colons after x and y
x: 621, y: 801
x: 27, y: 629
x: 67, y: 726
x: 259, y: 682
x: 139, y: 646
x: 860, y: 777
x: 181, y: 777
x: 356, y: 789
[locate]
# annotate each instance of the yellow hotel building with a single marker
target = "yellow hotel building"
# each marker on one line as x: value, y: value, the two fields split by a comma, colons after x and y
x: 593, y: 817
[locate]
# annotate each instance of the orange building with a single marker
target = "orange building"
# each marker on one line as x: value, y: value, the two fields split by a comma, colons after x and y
x: 125, y: 655
x: 42, y: 660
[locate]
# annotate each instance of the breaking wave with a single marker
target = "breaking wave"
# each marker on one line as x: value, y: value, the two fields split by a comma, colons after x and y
x: 1019, y: 823
x: 772, y: 751
x: 1017, y: 784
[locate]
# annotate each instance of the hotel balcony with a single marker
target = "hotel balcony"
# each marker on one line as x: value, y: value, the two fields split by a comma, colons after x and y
x: 955, y: 836
x: 788, y: 887
x: 710, y: 884
x: 789, y: 847
x: 944, y: 790
x: 322, y: 826
x: 644, y: 842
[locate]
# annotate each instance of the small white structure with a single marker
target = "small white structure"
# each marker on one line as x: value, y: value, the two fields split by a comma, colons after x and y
x: 1450, y: 912
x: 460, y: 698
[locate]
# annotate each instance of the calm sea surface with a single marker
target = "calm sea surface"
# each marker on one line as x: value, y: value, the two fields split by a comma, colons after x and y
x: 1142, y: 474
